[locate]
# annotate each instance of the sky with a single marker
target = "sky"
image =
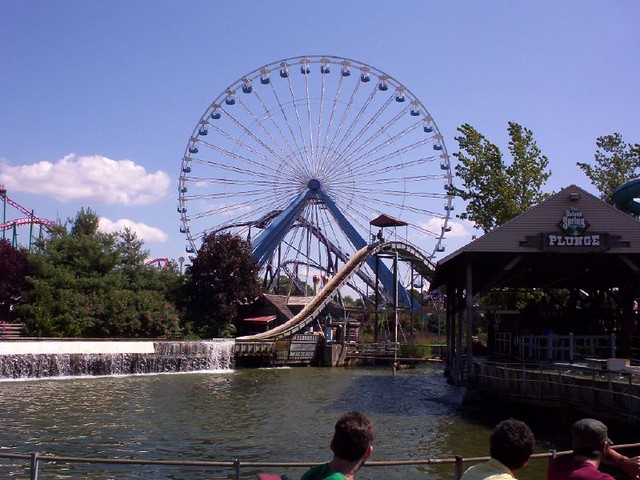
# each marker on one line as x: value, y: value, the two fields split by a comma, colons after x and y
x: 98, y: 99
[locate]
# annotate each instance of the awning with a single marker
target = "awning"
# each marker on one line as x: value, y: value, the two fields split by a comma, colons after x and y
x: 387, y: 221
x: 265, y: 319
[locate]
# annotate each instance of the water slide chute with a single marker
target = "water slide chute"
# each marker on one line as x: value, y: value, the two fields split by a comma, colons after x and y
x: 627, y: 197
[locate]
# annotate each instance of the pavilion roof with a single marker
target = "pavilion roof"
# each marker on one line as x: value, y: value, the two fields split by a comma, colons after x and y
x: 572, y: 239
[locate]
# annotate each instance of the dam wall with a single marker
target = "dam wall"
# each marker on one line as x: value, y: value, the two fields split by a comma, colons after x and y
x: 32, y: 359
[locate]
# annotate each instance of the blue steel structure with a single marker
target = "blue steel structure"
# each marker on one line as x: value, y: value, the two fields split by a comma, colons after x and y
x: 267, y: 242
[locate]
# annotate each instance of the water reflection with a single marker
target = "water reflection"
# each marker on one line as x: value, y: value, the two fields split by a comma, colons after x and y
x: 254, y: 415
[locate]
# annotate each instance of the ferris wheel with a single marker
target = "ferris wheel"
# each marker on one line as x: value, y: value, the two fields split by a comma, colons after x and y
x: 300, y: 155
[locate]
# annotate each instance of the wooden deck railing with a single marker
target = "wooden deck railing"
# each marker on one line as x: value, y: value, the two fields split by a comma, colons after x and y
x: 586, y: 389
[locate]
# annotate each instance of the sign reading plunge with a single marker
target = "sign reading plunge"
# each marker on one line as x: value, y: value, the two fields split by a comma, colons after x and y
x: 573, y: 236
x: 577, y: 241
x: 574, y: 225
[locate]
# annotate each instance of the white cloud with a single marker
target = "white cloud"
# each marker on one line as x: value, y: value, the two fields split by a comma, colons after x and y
x: 95, y: 179
x: 459, y: 228
x: 143, y: 231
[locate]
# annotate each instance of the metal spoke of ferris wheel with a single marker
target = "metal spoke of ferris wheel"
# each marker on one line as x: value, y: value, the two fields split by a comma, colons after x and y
x: 294, y: 134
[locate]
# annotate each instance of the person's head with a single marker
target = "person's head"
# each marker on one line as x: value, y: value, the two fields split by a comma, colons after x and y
x: 589, y: 437
x: 353, y: 437
x: 512, y: 443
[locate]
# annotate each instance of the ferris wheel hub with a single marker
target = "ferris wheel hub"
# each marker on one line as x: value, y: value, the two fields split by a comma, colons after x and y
x: 314, y: 184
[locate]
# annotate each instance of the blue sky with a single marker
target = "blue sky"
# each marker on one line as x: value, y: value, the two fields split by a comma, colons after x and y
x: 98, y: 99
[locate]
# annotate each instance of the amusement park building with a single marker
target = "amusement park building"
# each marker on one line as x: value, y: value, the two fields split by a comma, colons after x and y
x: 572, y: 241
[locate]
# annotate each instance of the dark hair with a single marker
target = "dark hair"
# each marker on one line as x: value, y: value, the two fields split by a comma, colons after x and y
x: 590, y: 453
x: 353, y: 435
x: 512, y: 443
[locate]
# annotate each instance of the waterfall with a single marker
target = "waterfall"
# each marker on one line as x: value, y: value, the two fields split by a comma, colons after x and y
x: 53, y: 358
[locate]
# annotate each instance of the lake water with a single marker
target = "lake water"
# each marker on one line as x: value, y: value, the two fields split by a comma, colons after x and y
x: 254, y: 415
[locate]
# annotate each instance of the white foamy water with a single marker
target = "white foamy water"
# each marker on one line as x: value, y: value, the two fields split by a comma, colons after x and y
x: 35, y: 360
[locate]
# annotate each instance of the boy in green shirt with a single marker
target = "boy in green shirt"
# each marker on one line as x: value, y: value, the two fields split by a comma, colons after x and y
x: 352, y: 444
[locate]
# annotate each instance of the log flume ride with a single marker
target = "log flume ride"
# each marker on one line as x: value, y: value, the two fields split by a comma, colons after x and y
x: 311, y: 310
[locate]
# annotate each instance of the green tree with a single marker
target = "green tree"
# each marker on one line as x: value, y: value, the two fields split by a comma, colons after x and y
x: 616, y: 162
x: 136, y: 275
x: 496, y: 192
x: 94, y: 284
x: 287, y: 286
x: 14, y: 265
x: 222, y: 276
x: 349, y: 301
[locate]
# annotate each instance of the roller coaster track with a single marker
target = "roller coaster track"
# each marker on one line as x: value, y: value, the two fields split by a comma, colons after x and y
x: 309, y: 312
x: 21, y: 222
x: 30, y: 217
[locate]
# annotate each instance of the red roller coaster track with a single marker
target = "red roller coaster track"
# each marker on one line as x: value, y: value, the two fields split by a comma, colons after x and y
x: 157, y: 262
x: 29, y: 217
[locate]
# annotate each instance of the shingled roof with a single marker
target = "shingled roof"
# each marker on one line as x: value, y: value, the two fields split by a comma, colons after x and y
x: 571, y: 239
x: 280, y: 304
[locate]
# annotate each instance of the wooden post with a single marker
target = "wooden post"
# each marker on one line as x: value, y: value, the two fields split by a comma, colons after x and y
x: 613, y: 345
x: 572, y: 351
x: 458, y: 468
x: 469, y: 315
x: 450, y: 328
x: 459, y: 312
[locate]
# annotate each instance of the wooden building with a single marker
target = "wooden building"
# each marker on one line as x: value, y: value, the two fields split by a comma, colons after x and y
x: 573, y: 242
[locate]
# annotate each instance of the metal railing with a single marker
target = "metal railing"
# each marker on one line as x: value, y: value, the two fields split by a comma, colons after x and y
x: 458, y: 462
x: 503, y: 343
x: 372, y: 348
x: 565, y: 347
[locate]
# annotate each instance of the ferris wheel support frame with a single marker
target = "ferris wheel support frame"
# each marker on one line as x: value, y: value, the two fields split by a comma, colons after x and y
x: 266, y: 243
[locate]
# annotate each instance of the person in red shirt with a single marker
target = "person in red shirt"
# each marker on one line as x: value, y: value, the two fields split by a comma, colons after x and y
x: 591, y: 447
